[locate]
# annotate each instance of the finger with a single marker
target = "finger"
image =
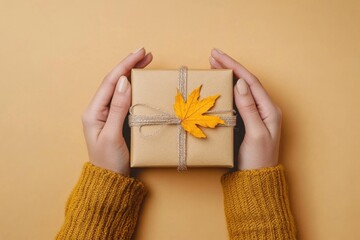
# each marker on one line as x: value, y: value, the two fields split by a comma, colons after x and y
x: 97, y: 111
x: 119, y: 108
x: 273, y: 125
x: 214, y: 64
x: 259, y: 93
x: 105, y: 92
x: 145, y: 61
x: 246, y: 105
x: 239, y: 70
x: 267, y: 109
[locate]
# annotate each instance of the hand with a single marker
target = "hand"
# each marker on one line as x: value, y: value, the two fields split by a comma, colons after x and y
x: 104, y: 117
x: 261, y: 117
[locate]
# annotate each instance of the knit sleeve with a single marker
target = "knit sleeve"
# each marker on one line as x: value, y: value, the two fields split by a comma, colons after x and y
x: 256, y: 204
x: 102, y: 205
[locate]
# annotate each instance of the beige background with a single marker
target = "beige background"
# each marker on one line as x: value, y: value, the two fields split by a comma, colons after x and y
x: 54, y: 54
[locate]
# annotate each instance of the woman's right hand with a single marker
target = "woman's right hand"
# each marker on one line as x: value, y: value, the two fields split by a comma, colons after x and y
x: 261, y: 116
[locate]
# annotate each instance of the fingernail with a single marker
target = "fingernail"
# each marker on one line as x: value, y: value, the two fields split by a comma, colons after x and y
x: 242, y: 87
x: 212, y: 60
x: 219, y: 51
x: 137, y: 50
x: 123, y: 84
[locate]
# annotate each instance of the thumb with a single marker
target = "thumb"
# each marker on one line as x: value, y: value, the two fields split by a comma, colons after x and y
x: 246, y: 105
x: 119, y: 108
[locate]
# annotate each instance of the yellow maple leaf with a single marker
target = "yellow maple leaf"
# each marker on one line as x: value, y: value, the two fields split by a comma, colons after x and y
x: 191, y: 112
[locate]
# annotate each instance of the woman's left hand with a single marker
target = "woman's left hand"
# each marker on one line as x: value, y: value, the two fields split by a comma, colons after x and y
x: 103, y: 119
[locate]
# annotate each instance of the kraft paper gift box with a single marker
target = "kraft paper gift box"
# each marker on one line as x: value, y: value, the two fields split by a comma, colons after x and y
x: 157, y: 145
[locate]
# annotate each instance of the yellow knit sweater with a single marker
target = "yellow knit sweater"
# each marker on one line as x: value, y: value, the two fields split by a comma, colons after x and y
x: 105, y: 205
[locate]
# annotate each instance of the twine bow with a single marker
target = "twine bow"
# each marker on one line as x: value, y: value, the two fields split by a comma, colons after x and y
x: 165, y: 118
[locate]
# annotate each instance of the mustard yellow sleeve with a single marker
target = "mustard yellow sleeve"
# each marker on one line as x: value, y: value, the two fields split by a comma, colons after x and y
x: 257, y: 205
x: 102, y: 205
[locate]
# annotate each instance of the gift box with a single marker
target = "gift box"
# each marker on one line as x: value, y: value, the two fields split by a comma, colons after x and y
x: 182, y: 118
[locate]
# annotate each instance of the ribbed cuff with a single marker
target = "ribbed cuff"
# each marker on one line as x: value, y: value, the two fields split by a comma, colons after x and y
x: 256, y: 204
x: 103, y: 205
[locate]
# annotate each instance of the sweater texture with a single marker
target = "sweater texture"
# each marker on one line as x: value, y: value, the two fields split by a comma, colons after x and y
x: 106, y: 205
x: 103, y: 205
x: 256, y: 204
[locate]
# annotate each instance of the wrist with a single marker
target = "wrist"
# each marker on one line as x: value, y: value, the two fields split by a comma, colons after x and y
x: 256, y: 165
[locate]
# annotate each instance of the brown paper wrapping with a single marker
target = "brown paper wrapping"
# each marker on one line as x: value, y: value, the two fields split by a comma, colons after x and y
x: 157, y: 88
